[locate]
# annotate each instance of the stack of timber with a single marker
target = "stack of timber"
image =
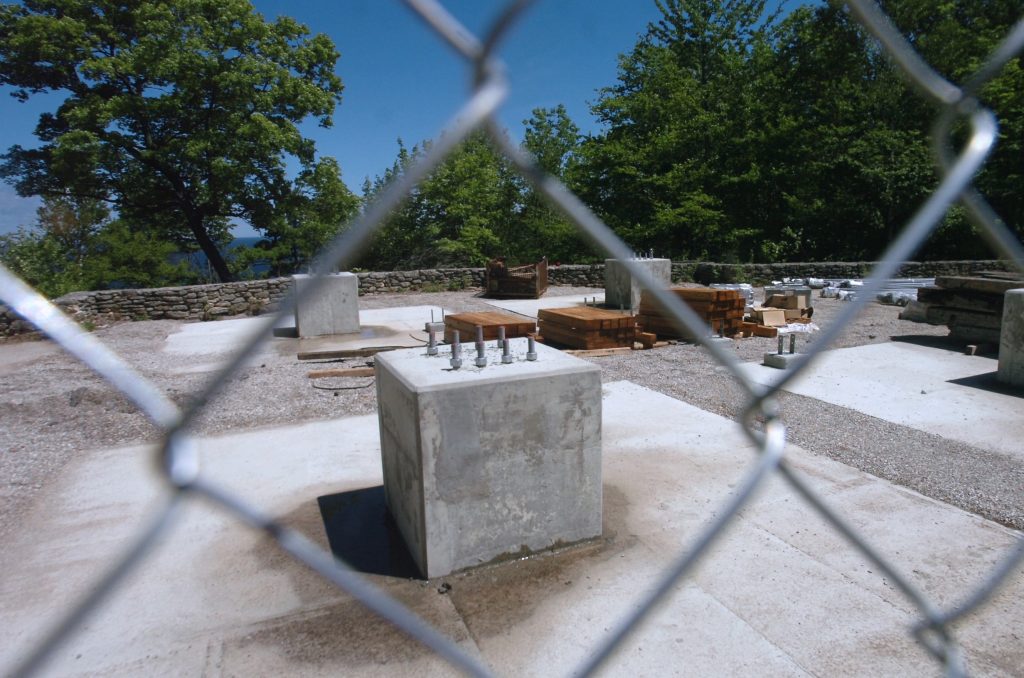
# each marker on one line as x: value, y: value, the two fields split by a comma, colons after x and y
x: 722, y: 310
x: 516, y: 282
x: 972, y: 307
x: 490, y: 321
x: 587, y: 327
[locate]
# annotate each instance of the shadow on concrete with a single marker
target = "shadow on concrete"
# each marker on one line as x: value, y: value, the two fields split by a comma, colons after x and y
x: 286, y: 332
x: 988, y: 381
x: 932, y: 341
x: 361, y: 532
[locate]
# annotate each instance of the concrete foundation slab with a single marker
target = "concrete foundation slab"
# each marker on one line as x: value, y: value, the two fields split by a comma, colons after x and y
x: 623, y: 291
x: 930, y: 389
x: 332, y: 310
x: 403, y: 326
x: 1011, y: 339
x: 780, y: 595
x: 482, y: 463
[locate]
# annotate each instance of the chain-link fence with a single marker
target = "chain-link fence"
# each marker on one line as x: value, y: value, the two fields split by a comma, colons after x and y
x: 179, y: 459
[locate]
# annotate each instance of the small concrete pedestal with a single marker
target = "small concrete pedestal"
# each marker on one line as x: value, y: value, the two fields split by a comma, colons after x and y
x: 622, y: 290
x: 332, y: 310
x: 481, y: 463
x: 1011, y: 339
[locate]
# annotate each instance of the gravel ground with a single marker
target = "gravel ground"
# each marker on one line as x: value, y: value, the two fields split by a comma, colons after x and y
x: 54, y: 408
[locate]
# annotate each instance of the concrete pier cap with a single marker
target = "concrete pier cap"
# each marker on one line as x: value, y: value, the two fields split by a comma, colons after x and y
x: 1011, y: 339
x: 334, y: 309
x: 622, y: 290
x: 491, y: 462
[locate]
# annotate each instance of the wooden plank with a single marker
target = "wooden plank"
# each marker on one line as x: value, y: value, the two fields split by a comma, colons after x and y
x: 586, y: 317
x: 763, y: 331
x: 585, y: 340
x: 490, y: 321
x: 962, y: 298
x: 346, y: 353
x: 598, y: 352
x: 342, y: 372
x: 989, y: 285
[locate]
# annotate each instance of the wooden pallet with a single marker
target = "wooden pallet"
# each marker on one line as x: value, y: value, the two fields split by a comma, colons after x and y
x: 490, y: 321
x: 516, y: 282
x: 587, y: 328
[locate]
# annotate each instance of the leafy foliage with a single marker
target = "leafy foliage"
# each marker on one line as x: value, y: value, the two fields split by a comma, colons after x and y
x: 74, y: 246
x: 181, y: 114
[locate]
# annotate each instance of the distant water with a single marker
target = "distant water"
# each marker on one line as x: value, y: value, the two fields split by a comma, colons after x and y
x: 199, y: 261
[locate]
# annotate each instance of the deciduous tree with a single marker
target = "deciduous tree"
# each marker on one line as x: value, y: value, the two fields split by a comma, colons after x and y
x: 182, y: 114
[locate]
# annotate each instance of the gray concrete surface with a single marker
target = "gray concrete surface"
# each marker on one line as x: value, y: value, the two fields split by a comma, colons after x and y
x: 622, y: 290
x: 482, y: 463
x: 935, y: 390
x: 1011, y: 339
x: 402, y: 326
x: 781, y: 594
x: 334, y: 309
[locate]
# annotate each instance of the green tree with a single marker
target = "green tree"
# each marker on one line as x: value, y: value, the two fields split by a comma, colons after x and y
x: 553, y: 139
x: 74, y: 246
x: 181, y: 113
x: 454, y: 217
x: 676, y: 166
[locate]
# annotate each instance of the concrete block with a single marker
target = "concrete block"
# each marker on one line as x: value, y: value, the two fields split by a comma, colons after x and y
x: 781, y: 360
x: 1011, y: 339
x: 333, y: 310
x: 622, y: 290
x: 481, y: 463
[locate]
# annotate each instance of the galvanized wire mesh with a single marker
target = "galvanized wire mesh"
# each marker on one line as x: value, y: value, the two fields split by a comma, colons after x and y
x: 181, y: 466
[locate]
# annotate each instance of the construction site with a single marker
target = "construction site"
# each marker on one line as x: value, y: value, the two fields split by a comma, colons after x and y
x: 519, y: 472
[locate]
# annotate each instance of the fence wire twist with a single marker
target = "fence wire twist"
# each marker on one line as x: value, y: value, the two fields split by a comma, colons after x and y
x: 180, y: 463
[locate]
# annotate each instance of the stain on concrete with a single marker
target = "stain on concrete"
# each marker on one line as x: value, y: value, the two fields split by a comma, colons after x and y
x: 493, y: 598
x: 480, y: 602
x: 345, y: 634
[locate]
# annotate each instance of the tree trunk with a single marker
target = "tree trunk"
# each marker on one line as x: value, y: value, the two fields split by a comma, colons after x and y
x: 209, y: 248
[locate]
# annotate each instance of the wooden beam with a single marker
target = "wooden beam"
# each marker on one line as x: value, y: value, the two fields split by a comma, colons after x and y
x: 342, y: 372
x: 347, y: 353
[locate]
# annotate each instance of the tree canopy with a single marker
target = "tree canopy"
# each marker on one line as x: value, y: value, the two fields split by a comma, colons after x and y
x: 182, y: 115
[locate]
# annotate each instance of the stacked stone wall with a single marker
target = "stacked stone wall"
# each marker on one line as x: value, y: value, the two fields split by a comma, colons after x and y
x: 209, y: 302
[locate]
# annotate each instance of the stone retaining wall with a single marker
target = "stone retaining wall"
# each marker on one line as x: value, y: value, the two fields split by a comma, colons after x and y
x: 208, y: 302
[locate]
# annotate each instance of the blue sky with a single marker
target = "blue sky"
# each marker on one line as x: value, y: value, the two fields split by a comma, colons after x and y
x: 402, y: 81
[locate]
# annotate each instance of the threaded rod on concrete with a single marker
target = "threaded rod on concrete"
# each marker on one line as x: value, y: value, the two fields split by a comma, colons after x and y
x: 531, y: 348
x: 792, y: 343
x: 456, y: 360
x: 782, y: 338
x: 432, y: 343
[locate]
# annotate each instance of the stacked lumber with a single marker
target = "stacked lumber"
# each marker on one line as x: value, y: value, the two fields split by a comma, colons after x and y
x: 972, y: 307
x: 490, y: 321
x: 586, y: 327
x: 722, y: 310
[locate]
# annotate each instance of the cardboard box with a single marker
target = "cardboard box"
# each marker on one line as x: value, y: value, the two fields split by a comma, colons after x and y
x: 772, y: 317
x: 794, y: 313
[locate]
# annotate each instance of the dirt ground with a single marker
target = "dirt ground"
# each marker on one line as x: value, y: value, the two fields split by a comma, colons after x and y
x: 54, y: 408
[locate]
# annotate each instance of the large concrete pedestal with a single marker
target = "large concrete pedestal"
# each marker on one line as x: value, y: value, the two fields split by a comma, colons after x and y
x: 332, y: 310
x: 622, y: 290
x: 1011, y: 339
x: 481, y: 463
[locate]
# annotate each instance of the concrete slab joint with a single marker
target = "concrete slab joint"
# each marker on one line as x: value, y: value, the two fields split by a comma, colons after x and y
x: 486, y: 463
x: 334, y: 309
x: 1011, y: 339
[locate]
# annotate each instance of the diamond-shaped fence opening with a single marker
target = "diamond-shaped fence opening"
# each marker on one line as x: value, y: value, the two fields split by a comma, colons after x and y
x: 935, y: 625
